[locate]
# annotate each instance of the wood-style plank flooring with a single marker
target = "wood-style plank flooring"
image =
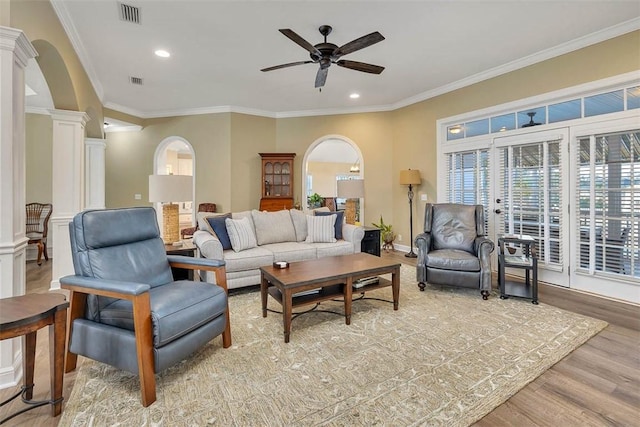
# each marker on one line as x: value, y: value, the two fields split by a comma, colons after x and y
x: 596, y: 385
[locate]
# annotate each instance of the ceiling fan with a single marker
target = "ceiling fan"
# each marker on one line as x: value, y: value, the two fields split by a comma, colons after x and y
x: 326, y: 54
x: 531, y: 115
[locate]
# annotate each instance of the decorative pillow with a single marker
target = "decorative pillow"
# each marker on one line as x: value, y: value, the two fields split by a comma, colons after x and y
x: 219, y: 228
x: 299, y: 219
x: 273, y: 227
x: 241, y: 234
x: 339, y: 221
x: 203, y: 223
x: 321, y: 229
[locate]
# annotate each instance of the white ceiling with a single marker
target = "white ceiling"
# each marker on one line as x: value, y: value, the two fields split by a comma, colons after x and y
x: 219, y: 47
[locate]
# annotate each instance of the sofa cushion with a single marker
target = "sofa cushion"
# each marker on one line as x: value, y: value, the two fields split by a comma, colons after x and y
x: 247, y: 259
x: 339, y: 221
x: 241, y: 234
x: 341, y: 247
x: 291, y: 251
x: 203, y: 224
x: 273, y: 227
x: 219, y: 227
x: 321, y: 229
x: 299, y: 220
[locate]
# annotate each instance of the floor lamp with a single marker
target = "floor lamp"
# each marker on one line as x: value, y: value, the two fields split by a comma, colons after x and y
x: 410, y: 177
x: 350, y: 189
x: 168, y: 189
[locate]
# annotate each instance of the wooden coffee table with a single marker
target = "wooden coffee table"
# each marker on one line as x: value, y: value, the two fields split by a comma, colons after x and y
x: 331, y: 277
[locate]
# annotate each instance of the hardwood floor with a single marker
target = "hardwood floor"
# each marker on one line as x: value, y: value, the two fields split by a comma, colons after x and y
x: 596, y: 385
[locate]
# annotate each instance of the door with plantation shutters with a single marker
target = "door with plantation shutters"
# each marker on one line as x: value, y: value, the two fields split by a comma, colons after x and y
x: 531, y: 196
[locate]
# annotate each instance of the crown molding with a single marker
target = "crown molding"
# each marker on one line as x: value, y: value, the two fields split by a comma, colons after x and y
x: 65, y: 20
x: 564, y: 48
x: 561, y: 49
x: 37, y: 110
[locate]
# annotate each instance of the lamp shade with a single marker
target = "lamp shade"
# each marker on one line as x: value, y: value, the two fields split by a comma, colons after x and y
x: 170, y: 188
x: 410, y: 177
x: 351, y: 188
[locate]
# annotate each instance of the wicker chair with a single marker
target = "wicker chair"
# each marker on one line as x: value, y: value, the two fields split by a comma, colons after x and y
x: 202, y: 207
x: 37, y: 222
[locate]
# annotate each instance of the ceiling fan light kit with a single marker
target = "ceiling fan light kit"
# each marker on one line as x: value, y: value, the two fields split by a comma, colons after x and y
x: 324, y: 54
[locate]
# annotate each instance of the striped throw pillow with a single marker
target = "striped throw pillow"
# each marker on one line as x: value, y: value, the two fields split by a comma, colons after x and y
x: 241, y: 234
x: 321, y: 229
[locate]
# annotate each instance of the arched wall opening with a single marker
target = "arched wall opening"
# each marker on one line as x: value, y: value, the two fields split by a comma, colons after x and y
x: 176, y: 156
x: 327, y: 160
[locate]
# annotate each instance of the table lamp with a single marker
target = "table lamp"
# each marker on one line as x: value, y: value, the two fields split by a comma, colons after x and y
x: 350, y: 189
x: 168, y: 189
x: 410, y: 177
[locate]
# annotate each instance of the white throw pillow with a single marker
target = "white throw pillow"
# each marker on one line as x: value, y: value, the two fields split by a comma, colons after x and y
x: 273, y: 227
x: 299, y: 219
x: 321, y: 229
x: 241, y: 234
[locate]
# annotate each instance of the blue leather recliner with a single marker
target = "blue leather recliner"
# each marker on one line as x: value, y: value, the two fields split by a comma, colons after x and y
x: 453, y: 249
x: 126, y: 309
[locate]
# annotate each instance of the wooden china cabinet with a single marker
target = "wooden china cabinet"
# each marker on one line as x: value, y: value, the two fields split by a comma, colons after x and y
x: 277, y: 181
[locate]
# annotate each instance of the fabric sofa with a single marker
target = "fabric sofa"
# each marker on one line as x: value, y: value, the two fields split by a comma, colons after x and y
x: 287, y: 235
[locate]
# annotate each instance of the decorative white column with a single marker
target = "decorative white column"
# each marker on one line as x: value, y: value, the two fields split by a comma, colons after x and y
x: 68, y: 189
x: 15, y: 52
x: 95, y: 175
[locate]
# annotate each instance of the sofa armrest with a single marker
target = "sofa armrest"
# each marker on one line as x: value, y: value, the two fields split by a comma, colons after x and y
x: 208, y: 245
x: 354, y: 234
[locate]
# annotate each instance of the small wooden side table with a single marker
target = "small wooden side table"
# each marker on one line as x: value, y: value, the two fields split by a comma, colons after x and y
x: 23, y: 316
x: 188, y: 248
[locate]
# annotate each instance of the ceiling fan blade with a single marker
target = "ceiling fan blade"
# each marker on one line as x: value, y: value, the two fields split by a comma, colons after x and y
x: 321, y: 77
x: 300, y: 41
x: 290, y: 64
x: 359, y: 43
x: 360, y: 66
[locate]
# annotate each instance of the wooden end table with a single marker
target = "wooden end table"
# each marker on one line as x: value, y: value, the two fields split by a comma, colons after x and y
x: 331, y: 277
x: 188, y: 248
x: 23, y: 316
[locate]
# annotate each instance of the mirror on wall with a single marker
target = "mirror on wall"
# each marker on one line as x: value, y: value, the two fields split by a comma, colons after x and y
x: 329, y: 161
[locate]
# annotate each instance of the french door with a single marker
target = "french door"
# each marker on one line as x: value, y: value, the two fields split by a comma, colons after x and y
x: 530, y: 196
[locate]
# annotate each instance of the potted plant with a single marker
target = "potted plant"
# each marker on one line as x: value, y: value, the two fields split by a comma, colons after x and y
x: 314, y: 200
x: 387, y: 235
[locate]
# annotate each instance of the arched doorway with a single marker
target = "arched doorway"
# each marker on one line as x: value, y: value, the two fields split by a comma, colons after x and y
x: 327, y: 160
x: 176, y: 156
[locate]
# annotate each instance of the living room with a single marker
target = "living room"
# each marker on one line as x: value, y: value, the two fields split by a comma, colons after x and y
x: 227, y: 143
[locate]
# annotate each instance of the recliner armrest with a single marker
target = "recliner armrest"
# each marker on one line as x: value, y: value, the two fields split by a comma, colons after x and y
x: 483, y: 246
x: 423, y: 243
x: 193, y: 263
x: 102, y: 287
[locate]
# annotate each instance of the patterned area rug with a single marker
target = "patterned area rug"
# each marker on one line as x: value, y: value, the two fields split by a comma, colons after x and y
x: 446, y: 357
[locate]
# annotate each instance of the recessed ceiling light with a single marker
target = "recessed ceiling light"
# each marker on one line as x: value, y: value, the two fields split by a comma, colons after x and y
x: 354, y: 96
x: 162, y: 53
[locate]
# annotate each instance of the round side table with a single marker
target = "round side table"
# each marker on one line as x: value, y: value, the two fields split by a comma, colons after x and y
x: 23, y: 316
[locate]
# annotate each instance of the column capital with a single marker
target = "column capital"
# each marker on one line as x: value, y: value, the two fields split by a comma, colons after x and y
x: 95, y: 142
x: 70, y: 116
x: 15, y: 41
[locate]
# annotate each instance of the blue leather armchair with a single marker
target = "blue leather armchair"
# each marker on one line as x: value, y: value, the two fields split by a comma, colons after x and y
x: 126, y: 309
x: 453, y: 249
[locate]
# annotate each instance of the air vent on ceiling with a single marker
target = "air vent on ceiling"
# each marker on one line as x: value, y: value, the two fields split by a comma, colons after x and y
x: 129, y: 13
x: 135, y: 80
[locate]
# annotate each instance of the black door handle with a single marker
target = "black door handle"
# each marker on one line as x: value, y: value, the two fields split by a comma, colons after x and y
x: 498, y: 211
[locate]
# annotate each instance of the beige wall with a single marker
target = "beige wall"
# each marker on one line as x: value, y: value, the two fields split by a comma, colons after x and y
x: 130, y: 159
x: 250, y: 135
x: 38, y: 153
x: 41, y: 26
x: 371, y: 132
